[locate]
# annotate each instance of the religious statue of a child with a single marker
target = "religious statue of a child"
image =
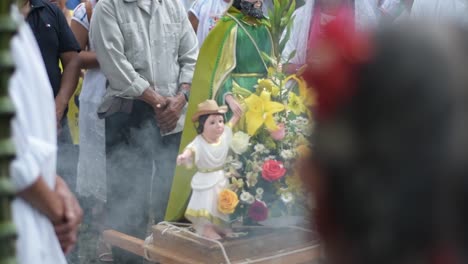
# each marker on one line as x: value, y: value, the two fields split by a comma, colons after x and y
x: 208, y: 151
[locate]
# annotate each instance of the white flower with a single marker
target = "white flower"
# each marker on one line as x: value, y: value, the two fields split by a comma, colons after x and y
x: 287, y: 154
x: 229, y: 159
x: 258, y: 197
x: 251, y: 179
x: 251, y: 200
x: 236, y: 164
x: 240, y: 142
x: 256, y: 167
x: 287, y: 197
x: 259, y: 191
x: 246, y: 197
x: 231, y: 172
x: 259, y: 148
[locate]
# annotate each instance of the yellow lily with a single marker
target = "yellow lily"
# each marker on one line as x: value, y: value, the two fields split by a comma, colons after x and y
x: 306, y: 94
x: 295, y: 104
x: 260, y: 111
x: 267, y: 85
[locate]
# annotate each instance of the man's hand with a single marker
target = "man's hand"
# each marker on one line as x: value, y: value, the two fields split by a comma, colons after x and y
x: 67, y: 229
x: 168, y: 118
x: 151, y: 97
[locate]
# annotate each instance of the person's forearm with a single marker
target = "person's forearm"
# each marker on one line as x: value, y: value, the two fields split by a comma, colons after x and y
x: 70, y: 77
x: 233, y: 121
x: 193, y: 20
x: 152, y: 98
x: 88, y: 60
x: 44, y: 199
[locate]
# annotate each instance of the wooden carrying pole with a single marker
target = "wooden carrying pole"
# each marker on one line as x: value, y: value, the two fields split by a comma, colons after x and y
x: 7, y: 229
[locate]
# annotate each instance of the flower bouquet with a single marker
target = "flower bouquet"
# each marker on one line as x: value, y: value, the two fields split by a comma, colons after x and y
x: 262, y: 165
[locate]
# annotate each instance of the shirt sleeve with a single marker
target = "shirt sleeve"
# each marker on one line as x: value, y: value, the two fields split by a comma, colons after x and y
x: 31, y: 154
x: 31, y: 151
x: 80, y: 16
x: 108, y: 41
x: 67, y: 41
x: 35, y: 145
x: 188, y: 49
x: 196, y: 8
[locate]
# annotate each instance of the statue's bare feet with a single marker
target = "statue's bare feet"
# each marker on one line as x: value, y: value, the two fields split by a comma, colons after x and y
x: 209, y: 232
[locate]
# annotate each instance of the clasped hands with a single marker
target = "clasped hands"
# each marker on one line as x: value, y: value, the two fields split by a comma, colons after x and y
x: 168, y: 110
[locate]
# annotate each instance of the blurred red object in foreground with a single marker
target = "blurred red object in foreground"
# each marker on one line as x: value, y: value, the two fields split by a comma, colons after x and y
x: 333, y: 63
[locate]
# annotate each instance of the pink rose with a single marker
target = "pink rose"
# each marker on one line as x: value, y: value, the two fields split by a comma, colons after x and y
x: 273, y: 170
x: 279, y: 133
x: 258, y: 211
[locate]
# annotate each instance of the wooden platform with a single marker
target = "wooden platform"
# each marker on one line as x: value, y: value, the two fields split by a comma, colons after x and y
x: 260, y: 245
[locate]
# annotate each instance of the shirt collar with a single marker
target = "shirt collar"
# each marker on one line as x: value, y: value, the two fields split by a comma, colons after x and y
x: 36, y: 3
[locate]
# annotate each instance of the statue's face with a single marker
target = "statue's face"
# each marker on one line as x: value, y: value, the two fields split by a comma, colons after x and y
x: 252, y: 8
x: 213, y: 127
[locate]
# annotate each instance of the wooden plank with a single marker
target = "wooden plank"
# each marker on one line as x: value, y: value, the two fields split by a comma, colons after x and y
x: 193, y: 247
x: 303, y: 255
x: 125, y: 242
x: 170, y: 256
x: 260, y: 241
x: 275, y: 240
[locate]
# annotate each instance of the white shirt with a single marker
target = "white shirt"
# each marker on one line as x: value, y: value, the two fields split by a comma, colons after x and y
x: 187, y: 4
x: 35, y: 139
x: 367, y: 13
x: 208, y: 12
x: 94, y: 81
x: 137, y: 49
x: 300, y: 33
x: 441, y: 10
x: 80, y: 15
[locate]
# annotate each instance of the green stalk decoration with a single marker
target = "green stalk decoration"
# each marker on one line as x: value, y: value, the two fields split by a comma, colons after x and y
x: 7, y: 228
x: 279, y: 23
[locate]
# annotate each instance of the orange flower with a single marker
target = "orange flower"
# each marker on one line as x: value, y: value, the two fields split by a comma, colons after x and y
x: 227, y: 201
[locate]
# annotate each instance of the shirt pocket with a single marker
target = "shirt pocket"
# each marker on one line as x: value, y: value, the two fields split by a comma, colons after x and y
x: 171, y: 35
x: 133, y: 42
